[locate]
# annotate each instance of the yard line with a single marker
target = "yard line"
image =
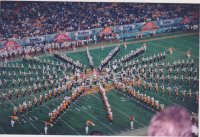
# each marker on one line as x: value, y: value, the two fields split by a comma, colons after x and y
x: 122, y: 112
x: 98, y: 46
x: 192, y: 42
x: 70, y: 127
x: 32, y: 125
x: 64, y: 122
x: 127, y: 115
x: 2, y: 130
x: 171, y: 44
x: 96, y: 119
x: 26, y: 118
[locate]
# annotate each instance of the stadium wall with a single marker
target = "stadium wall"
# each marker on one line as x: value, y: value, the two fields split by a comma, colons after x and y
x: 128, y: 31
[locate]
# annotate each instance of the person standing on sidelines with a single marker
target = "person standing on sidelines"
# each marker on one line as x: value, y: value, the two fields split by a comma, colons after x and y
x: 86, y: 129
x: 131, y: 121
x: 12, y: 122
x: 125, y: 45
x: 45, y: 128
x: 88, y: 122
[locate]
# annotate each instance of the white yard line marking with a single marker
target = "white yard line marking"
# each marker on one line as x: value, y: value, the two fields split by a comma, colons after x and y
x: 185, y: 40
x: 64, y: 121
x: 121, y: 112
x: 26, y: 118
x: 97, y: 119
x: 171, y: 44
x: 2, y: 130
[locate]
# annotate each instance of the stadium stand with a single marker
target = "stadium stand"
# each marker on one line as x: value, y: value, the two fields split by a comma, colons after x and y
x: 39, y: 18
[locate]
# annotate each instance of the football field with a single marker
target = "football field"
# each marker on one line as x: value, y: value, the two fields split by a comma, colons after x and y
x: 90, y: 106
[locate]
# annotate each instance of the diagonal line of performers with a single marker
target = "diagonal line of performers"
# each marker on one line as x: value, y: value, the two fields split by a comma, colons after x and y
x: 110, y: 56
x: 66, y: 59
x: 90, y: 59
x: 106, y: 103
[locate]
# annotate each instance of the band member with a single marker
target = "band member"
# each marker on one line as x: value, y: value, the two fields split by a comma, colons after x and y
x: 39, y: 87
x: 188, y: 53
x: 189, y: 94
x: 49, y: 94
x: 148, y: 101
x: 102, y: 46
x: 45, y: 129
x: 17, y: 93
x: 184, y: 94
x: 20, y: 109
x: 182, y: 79
x: 168, y: 90
x: 144, y: 86
x: 46, y: 126
x: 125, y: 45
x: 58, y: 91
x: 45, y: 97
x: 138, y: 84
x: 34, y: 88
x: 40, y: 99
x: 150, y: 86
x: 55, y: 92
x: 163, y: 89
x: 30, y: 90
x: 10, y: 94
x: 110, y: 117
x: 175, y: 77
x: 157, y: 105
x: 131, y: 121
x: 30, y: 106
x: 152, y: 103
x: 156, y: 88
x: 45, y: 85
x: 171, y: 51
x: 145, y: 46
x: 176, y: 92
x: 15, y: 111
x: 63, y: 90
x: 23, y: 92
x: 12, y: 122
x: 24, y: 107
x: 35, y: 102
x: 145, y: 99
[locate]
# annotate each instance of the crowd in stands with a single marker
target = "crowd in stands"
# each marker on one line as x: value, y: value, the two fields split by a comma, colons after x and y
x: 27, y: 19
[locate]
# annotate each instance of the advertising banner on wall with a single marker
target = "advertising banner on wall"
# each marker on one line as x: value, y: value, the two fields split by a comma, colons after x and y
x: 35, y: 40
x: 83, y: 33
x: 106, y: 31
x: 61, y: 38
x: 10, y: 45
x: 129, y: 30
x: 166, y: 22
x: 129, y: 27
x: 149, y: 26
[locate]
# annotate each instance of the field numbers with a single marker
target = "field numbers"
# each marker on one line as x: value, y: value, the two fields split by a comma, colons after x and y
x: 31, y: 118
x: 123, y: 99
x: 85, y: 107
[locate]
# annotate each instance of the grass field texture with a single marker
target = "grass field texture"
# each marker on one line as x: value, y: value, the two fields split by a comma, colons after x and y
x: 91, y: 106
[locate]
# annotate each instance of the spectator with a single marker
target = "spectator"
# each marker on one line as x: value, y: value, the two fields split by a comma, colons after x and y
x: 41, y: 18
x: 172, y: 121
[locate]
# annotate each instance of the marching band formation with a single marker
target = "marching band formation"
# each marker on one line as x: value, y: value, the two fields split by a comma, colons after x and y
x: 43, y: 80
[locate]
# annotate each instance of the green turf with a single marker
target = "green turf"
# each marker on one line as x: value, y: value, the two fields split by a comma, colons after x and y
x: 91, y: 106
